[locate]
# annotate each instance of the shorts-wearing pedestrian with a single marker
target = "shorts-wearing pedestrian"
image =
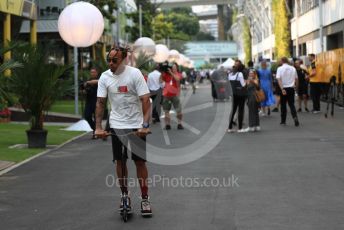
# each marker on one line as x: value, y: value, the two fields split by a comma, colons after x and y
x: 169, y: 101
x: 122, y: 138
x: 303, y: 90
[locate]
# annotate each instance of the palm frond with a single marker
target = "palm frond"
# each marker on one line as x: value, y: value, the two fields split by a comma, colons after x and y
x: 11, y: 64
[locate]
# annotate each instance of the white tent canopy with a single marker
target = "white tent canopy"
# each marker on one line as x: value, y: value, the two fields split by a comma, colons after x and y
x: 228, y: 63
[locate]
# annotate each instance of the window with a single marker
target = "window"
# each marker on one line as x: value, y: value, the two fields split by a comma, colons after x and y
x: 307, y: 5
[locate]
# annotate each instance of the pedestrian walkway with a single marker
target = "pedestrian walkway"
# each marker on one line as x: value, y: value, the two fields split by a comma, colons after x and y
x: 5, y: 164
x: 280, y: 178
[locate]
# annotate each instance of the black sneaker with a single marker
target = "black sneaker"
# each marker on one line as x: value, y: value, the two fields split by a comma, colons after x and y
x: 167, y: 127
x: 299, y: 110
x: 180, y: 126
x: 297, y: 123
x: 146, y: 209
x: 275, y: 110
x: 307, y: 110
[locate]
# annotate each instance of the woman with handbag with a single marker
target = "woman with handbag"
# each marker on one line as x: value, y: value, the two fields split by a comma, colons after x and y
x: 238, y: 83
x: 254, y: 96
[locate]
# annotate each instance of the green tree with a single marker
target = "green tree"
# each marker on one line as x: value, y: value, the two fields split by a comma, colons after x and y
x: 184, y: 22
x: 38, y: 84
x: 106, y: 7
x: 148, y: 14
x: 202, y: 36
x: 161, y: 28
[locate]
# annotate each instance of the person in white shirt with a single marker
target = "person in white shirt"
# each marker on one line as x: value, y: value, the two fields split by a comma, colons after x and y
x: 287, y: 81
x: 238, y: 84
x: 155, y: 88
x: 129, y: 97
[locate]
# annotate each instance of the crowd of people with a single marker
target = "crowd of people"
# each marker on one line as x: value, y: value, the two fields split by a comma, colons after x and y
x: 277, y: 89
x: 135, y: 99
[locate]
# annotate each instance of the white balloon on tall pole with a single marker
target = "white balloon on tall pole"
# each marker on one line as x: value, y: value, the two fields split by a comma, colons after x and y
x: 161, y: 53
x: 144, y: 45
x: 174, y: 56
x: 80, y: 24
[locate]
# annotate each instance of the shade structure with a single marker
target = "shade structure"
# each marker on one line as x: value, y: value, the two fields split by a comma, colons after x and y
x: 228, y: 63
x: 144, y: 45
x: 161, y: 53
x: 81, y: 24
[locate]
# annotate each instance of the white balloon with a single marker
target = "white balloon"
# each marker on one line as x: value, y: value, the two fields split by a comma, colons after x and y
x: 144, y: 45
x: 81, y: 24
x: 161, y: 53
x: 174, y: 56
x: 181, y: 60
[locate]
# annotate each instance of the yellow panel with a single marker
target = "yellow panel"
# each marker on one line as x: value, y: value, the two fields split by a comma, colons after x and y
x: 12, y: 6
x: 328, y: 64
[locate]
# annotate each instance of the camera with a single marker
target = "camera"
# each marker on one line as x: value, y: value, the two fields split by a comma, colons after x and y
x: 164, y: 67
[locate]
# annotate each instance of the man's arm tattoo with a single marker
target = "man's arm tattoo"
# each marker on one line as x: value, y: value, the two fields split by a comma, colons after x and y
x: 100, y: 111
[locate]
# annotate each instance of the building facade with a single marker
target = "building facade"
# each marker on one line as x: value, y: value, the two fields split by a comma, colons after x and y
x: 260, y: 19
x: 317, y: 26
x: 213, y: 52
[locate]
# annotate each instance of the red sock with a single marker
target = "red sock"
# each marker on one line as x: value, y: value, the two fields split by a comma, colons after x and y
x: 144, y: 191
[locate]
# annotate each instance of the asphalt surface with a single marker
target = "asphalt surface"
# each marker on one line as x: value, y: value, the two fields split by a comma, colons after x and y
x: 281, y: 178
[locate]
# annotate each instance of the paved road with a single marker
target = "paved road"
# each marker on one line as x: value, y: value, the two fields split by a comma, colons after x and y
x: 283, y: 178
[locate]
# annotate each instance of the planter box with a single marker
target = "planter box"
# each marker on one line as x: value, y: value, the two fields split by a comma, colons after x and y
x: 37, y: 138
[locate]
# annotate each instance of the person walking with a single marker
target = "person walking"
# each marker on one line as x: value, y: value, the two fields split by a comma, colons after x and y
x: 302, y: 91
x: 90, y: 89
x: 315, y: 84
x: 252, y: 104
x: 265, y: 80
x: 238, y: 84
x: 171, y: 93
x: 193, y: 79
x: 155, y: 88
x: 128, y: 94
x: 287, y: 80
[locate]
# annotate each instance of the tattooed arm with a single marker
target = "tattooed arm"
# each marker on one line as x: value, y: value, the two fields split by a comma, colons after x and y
x: 100, y: 107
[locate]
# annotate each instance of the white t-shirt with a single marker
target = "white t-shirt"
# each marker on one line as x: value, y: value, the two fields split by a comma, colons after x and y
x: 153, y: 81
x: 288, y: 75
x: 123, y: 91
x: 237, y: 76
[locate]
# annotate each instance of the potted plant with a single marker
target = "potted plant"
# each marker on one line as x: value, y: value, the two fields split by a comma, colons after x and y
x: 37, y: 85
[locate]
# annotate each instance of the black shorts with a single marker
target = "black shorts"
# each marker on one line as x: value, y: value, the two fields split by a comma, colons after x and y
x: 278, y: 91
x: 121, y: 139
x: 303, y: 90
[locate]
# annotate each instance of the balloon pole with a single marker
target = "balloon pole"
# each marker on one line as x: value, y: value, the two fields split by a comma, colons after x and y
x: 76, y: 83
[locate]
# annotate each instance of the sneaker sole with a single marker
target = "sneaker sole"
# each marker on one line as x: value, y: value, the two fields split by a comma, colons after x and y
x: 146, y: 214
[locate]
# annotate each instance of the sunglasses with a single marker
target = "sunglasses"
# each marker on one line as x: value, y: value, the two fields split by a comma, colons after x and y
x: 113, y: 60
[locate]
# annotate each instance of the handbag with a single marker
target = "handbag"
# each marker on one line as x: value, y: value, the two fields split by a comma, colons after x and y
x: 260, y: 95
x: 237, y: 88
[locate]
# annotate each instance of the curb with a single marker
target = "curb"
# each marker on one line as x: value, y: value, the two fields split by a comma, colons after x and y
x: 2, y: 172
